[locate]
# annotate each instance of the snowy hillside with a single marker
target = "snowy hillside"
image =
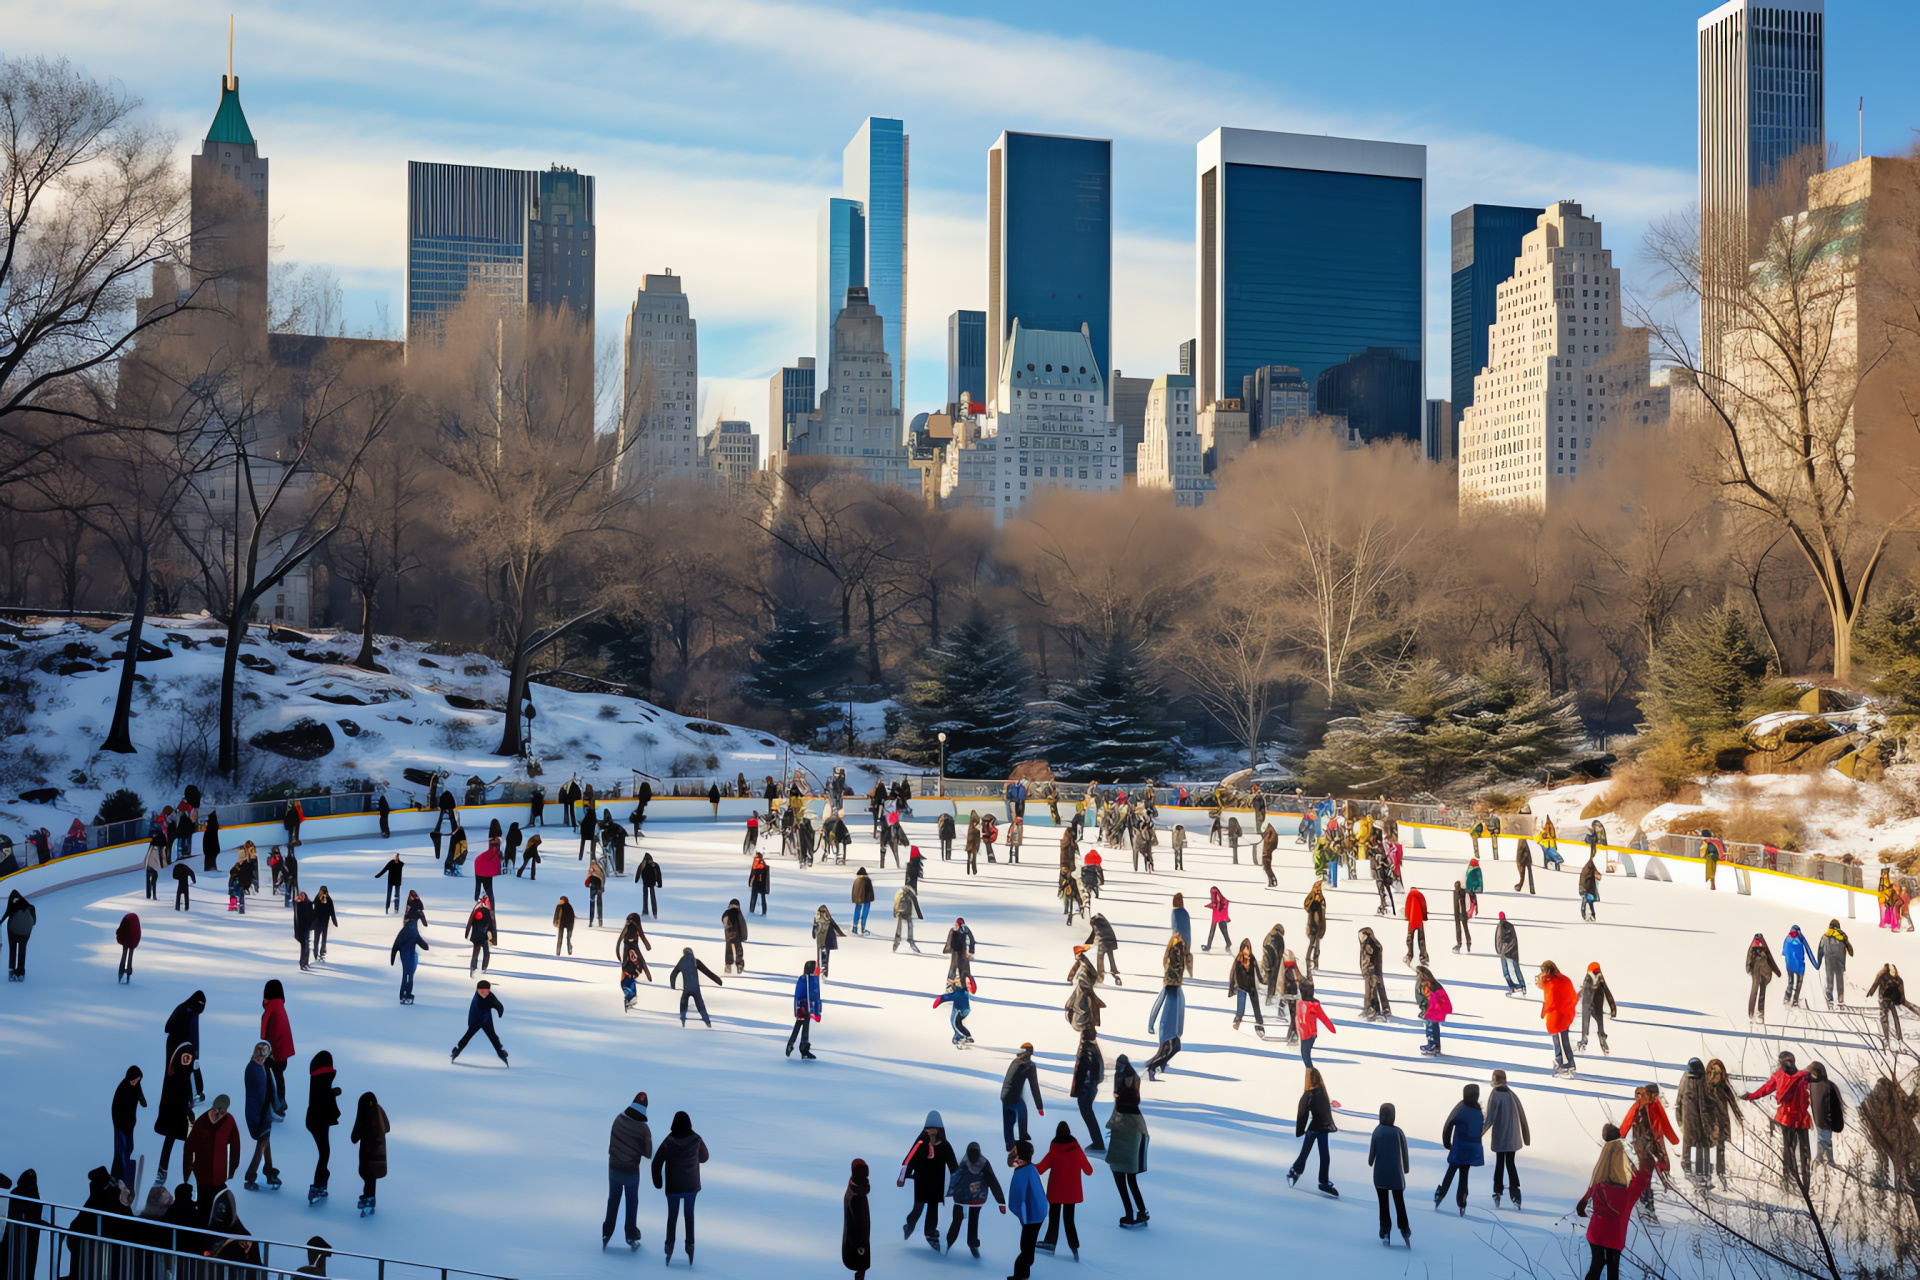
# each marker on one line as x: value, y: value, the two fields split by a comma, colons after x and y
x: 308, y: 722
x: 503, y: 1169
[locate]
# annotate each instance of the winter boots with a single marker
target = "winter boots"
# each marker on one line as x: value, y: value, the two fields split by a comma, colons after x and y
x: 366, y: 1206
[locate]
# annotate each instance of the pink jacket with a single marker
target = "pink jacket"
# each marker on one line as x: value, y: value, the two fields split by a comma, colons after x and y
x: 1217, y: 902
x: 1438, y: 1005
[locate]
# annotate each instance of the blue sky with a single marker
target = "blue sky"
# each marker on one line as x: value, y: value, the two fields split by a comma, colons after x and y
x: 715, y: 129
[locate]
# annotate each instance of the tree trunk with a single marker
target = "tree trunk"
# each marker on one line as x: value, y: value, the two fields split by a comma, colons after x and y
x: 364, y: 659
x: 1842, y: 645
x: 120, y: 732
x: 873, y: 641
x: 511, y: 743
x: 229, y: 672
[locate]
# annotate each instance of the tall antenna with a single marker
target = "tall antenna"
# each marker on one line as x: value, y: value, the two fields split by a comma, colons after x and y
x: 231, y: 82
x: 1863, y: 127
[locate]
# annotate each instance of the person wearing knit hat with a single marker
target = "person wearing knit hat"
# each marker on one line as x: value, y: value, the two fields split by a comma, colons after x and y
x: 630, y: 1142
x: 1596, y: 1005
x: 856, y: 1224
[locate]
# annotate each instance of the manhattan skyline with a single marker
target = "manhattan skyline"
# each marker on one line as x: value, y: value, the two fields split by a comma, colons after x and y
x: 716, y: 134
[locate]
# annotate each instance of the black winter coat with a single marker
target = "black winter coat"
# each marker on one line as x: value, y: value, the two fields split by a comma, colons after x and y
x: 1315, y: 1114
x: 856, y: 1226
x: 927, y: 1168
x: 677, y: 1161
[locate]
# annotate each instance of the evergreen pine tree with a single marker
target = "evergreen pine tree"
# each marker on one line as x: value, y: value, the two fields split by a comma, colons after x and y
x: 798, y: 664
x: 1439, y: 730
x: 1110, y: 724
x: 1703, y: 675
x: 972, y: 687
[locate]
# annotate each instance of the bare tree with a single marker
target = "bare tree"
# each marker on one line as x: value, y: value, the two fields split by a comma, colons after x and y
x: 1783, y: 401
x: 92, y: 200
x: 377, y: 540
x: 1231, y: 647
x: 539, y: 493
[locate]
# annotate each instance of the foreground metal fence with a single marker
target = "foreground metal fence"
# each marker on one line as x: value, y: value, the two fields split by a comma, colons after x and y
x: 48, y: 1241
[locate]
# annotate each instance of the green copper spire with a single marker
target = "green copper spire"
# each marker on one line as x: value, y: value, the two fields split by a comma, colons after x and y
x: 230, y: 122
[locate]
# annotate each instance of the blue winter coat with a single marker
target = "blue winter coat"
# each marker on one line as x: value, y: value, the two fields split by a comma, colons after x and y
x: 1461, y: 1136
x: 1168, y: 1018
x: 259, y: 1101
x: 806, y: 996
x: 481, y: 1009
x: 962, y: 1003
x: 1026, y: 1198
x: 1183, y: 924
x: 1796, y: 952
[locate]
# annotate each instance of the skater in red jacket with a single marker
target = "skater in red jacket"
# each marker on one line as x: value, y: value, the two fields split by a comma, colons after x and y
x: 1416, y: 924
x: 1791, y: 1116
x: 1611, y: 1193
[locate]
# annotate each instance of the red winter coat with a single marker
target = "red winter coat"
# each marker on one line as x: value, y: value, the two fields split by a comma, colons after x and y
x: 1416, y: 909
x: 276, y: 1030
x: 488, y: 863
x: 1560, y: 1004
x: 1656, y: 1120
x: 1067, y: 1163
x: 128, y: 934
x: 212, y: 1151
x: 1790, y: 1092
x: 1611, y: 1207
x: 1217, y: 903
x: 1309, y: 1012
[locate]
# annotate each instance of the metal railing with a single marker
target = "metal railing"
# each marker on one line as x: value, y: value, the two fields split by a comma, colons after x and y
x: 122, y: 1247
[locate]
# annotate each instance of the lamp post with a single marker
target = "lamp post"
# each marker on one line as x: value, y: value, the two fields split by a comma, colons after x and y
x: 943, y: 762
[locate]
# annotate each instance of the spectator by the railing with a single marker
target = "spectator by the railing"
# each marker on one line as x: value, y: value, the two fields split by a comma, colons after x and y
x: 21, y: 1247
x: 76, y: 841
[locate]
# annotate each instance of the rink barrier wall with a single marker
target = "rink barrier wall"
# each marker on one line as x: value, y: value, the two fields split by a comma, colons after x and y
x: 355, y: 816
x: 91, y: 1255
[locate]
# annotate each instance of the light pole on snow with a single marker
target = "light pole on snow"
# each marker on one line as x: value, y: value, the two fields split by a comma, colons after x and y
x: 943, y: 762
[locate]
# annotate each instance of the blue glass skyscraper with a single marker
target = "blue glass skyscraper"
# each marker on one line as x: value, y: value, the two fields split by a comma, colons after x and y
x: 874, y: 173
x: 842, y: 263
x: 1049, y: 241
x: 1312, y: 254
x: 967, y: 357
x: 1486, y: 242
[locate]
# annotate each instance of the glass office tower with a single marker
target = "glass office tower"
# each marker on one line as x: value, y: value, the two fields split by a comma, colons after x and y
x: 1049, y: 241
x: 967, y: 357
x: 518, y: 235
x: 842, y: 264
x: 874, y: 173
x: 1312, y: 254
x: 1486, y: 243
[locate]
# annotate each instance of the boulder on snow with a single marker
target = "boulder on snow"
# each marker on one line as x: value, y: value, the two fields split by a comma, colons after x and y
x: 304, y: 739
x: 465, y: 703
x: 1817, y: 700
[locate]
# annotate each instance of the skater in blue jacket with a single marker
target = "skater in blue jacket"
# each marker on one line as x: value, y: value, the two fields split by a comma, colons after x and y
x: 1796, y: 951
x: 956, y: 995
x: 806, y: 1010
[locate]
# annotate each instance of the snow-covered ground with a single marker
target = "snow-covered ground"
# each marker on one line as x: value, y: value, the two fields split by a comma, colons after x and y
x: 502, y: 1170
x: 430, y: 711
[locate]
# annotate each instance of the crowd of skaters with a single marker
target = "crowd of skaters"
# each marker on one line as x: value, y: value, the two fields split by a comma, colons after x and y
x: 1050, y: 1186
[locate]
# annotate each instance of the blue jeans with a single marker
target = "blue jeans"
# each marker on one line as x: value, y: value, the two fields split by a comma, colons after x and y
x: 621, y: 1182
x: 1587, y: 911
x: 409, y: 961
x: 1510, y: 970
x: 959, y: 1022
x: 860, y: 910
x: 123, y: 1155
x: 1333, y: 872
x: 1552, y: 858
x: 1306, y: 1050
x: 393, y: 902
x: 1013, y: 1114
x: 1562, y: 1049
x: 1241, y: 999
x: 629, y: 988
x: 1306, y: 1144
x: 673, y: 1213
x: 1433, y: 1036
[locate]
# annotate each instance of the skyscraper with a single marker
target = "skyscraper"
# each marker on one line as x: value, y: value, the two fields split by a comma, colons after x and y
x: 228, y: 181
x: 661, y: 401
x: 857, y: 426
x: 1486, y: 241
x: 874, y: 172
x: 1049, y: 243
x: 1762, y: 118
x: 841, y: 264
x: 790, y: 398
x: 1170, y: 454
x: 1311, y: 252
x: 518, y: 235
x: 967, y: 357
x: 1561, y: 371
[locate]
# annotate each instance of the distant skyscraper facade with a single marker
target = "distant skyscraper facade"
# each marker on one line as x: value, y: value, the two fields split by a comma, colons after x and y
x: 857, y: 424
x: 1130, y: 413
x: 842, y: 264
x: 1561, y: 372
x: 1437, y: 440
x: 1312, y: 253
x: 732, y: 453
x: 790, y: 398
x: 1486, y: 241
x: 517, y: 235
x: 1049, y: 243
x: 1055, y: 427
x: 967, y: 358
x: 1762, y: 77
x: 1189, y: 356
x: 1273, y: 394
x: 1170, y: 455
x: 874, y: 173
x: 662, y: 384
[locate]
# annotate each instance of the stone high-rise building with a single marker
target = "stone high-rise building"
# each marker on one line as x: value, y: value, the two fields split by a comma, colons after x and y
x: 661, y: 404
x: 858, y: 425
x: 1561, y: 371
x: 1172, y: 456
